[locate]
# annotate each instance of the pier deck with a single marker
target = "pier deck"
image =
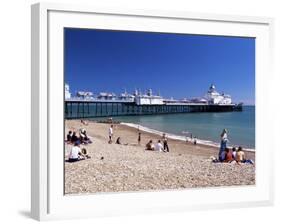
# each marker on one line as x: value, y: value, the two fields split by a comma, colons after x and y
x: 91, y: 109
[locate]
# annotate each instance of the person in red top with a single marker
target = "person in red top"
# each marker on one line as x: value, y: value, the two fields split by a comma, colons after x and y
x: 228, y: 155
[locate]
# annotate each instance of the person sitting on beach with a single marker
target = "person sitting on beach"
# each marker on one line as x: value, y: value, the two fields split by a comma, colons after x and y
x: 118, y: 141
x: 68, y: 137
x: 139, y: 139
x: 110, y: 134
x: 149, y: 146
x: 86, y: 137
x: 75, y: 153
x: 241, y: 158
x: 83, y: 137
x: 228, y: 155
x: 165, y: 143
x: 74, y: 138
x: 159, y: 147
x: 234, y: 151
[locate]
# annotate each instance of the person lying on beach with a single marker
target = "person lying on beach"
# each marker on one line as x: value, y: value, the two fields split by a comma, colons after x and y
x: 150, y: 146
x: 159, y: 147
x: 241, y: 158
x: 84, y: 122
x: 75, y: 153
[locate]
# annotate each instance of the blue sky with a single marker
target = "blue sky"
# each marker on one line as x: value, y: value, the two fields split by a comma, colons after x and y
x: 177, y: 65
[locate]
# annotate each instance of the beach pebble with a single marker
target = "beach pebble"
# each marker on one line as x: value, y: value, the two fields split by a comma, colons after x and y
x: 131, y: 168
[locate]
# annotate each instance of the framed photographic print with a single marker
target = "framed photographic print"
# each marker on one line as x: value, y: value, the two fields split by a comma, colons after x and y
x: 148, y: 111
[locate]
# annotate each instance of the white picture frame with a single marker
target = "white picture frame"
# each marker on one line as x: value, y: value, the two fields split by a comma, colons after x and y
x: 48, y: 201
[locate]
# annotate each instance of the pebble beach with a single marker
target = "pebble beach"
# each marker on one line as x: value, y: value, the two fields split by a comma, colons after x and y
x: 129, y: 167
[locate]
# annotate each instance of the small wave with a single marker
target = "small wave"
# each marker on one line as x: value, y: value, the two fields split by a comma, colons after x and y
x: 177, y: 137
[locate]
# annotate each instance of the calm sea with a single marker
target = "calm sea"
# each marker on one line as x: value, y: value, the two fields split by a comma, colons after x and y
x: 205, y: 126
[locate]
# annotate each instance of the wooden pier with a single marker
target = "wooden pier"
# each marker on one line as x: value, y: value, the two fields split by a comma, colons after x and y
x: 92, y: 109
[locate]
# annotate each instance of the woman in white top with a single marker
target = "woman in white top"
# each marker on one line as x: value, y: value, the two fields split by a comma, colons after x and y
x: 75, y: 153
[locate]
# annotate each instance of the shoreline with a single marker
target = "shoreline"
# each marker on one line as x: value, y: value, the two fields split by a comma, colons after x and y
x: 178, y: 137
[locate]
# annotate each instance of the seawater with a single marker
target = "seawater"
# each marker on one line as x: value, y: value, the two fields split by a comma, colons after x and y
x: 205, y: 126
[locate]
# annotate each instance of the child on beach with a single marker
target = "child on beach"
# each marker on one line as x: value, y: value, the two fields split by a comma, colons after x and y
x: 84, y: 153
x: 110, y: 134
x: 150, y: 146
x: 165, y: 143
x: 159, y: 147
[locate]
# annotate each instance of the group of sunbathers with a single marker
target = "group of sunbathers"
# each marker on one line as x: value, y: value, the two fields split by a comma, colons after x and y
x: 233, y: 155
x: 158, y: 146
x: 230, y: 155
x: 76, y: 153
x: 83, y: 138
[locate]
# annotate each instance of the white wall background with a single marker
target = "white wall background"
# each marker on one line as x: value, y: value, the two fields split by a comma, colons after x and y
x: 15, y: 109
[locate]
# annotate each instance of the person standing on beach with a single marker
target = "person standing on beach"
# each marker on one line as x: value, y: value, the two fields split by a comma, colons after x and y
x: 224, y: 140
x: 110, y: 134
x: 195, y: 140
x: 165, y: 143
x: 139, y: 139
